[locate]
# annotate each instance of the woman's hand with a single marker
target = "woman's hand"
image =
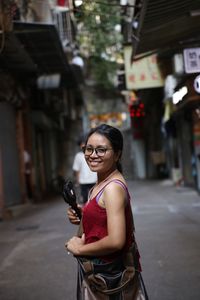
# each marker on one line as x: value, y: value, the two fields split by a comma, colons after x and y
x: 74, y: 244
x: 73, y: 218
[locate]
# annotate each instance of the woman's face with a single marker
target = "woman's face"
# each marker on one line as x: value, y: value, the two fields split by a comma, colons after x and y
x: 98, y: 162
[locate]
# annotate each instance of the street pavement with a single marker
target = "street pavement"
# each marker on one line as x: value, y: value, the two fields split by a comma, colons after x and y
x: 34, y: 263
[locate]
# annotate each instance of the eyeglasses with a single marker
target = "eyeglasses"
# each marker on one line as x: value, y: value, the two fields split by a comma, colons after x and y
x: 100, y: 151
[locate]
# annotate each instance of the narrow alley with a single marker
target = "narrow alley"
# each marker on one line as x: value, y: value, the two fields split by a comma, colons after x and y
x: 129, y: 70
x: 35, y: 265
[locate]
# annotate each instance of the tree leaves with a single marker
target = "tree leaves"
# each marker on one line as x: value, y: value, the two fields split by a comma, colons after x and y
x: 98, y: 40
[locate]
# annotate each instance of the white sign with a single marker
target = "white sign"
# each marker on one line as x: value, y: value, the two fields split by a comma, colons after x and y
x: 50, y: 81
x: 143, y: 73
x: 178, y: 63
x: 197, y: 84
x: 192, y: 60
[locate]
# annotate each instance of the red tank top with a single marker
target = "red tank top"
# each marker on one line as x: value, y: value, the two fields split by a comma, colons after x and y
x: 95, y: 222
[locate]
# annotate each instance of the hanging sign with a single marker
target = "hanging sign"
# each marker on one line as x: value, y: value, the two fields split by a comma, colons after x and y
x: 143, y: 73
x: 197, y: 84
x: 192, y: 60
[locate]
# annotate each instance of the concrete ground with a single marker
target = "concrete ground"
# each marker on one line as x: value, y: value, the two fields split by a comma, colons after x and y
x: 34, y: 264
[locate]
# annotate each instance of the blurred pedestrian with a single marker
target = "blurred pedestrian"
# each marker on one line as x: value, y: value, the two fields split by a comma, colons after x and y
x: 84, y: 177
x: 107, y: 253
x: 27, y: 173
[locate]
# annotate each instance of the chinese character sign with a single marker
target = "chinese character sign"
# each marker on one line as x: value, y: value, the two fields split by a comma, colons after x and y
x: 143, y: 73
x: 192, y: 60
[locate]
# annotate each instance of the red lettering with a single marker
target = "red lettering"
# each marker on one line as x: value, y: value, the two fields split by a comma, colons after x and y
x: 142, y: 77
x: 131, y: 78
x: 154, y: 76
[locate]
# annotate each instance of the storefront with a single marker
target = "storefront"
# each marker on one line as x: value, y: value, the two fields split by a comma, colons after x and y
x: 186, y: 119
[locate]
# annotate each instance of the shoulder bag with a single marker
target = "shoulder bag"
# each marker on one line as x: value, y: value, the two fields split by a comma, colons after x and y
x: 117, y: 280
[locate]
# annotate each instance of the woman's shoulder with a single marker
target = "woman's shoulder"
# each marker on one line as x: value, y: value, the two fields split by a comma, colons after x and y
x: 116, y: 183
x: 114, y: 188
x: 118, y: 178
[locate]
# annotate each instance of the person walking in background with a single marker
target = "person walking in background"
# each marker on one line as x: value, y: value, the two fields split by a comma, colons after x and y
x: 27, y: 173
x: 107, y: 253
x: 84, y: 177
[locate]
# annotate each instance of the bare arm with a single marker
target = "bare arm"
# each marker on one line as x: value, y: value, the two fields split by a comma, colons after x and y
x: 114, y: 199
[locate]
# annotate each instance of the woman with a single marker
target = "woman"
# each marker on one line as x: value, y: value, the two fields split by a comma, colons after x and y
x: 106, y: 218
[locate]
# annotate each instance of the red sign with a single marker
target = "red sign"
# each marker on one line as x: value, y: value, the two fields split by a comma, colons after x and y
x: 63, y: 3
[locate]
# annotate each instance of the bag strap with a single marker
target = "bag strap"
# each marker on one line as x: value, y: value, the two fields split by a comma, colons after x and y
x: 88, y: 267
x: 80, y: 229
x: 130, y: 256
x: 143, y: 287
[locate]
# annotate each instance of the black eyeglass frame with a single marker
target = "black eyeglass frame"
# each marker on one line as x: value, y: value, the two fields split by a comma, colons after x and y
x: 84, y: 148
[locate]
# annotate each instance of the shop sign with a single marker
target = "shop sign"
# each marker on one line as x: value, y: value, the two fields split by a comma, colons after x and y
x: 178, y: 64
x: 197, y: 84
x: 178, y: 95
x: 192, y: 60
x: 116, y: 119
x: 142, y: 73
x: 63, y: 3
x: 51, y: 81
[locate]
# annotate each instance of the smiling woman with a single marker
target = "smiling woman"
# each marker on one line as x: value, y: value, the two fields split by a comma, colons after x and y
x: 107, y: 253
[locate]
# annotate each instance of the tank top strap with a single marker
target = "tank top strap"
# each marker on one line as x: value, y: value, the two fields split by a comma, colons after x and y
x: 90, y: 192
x: 118, y: 181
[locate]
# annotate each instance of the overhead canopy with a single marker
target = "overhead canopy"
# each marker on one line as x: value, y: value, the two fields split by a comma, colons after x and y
x: 33, y: 47
x: 167, y: 24
x: 14, y: 57
x: 42, y: 43
x: 36, y: 49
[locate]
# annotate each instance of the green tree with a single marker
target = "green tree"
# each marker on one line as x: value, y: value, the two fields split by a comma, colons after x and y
x: 99, y: 39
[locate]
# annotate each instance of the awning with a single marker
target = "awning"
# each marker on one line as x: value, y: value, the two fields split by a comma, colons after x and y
x: 42, y: 43
x: 34, y: 47
x: 14, y: 57
x: 167, y: 24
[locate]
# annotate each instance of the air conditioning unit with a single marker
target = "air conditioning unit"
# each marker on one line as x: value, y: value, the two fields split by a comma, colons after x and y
x: 62, y: 20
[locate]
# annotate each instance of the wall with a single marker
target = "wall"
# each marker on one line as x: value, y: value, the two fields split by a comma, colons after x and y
x: 9, y: 155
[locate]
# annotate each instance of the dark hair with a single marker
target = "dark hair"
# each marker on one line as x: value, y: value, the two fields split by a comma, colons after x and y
x: 115, y: 137
x: 81, y: 139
